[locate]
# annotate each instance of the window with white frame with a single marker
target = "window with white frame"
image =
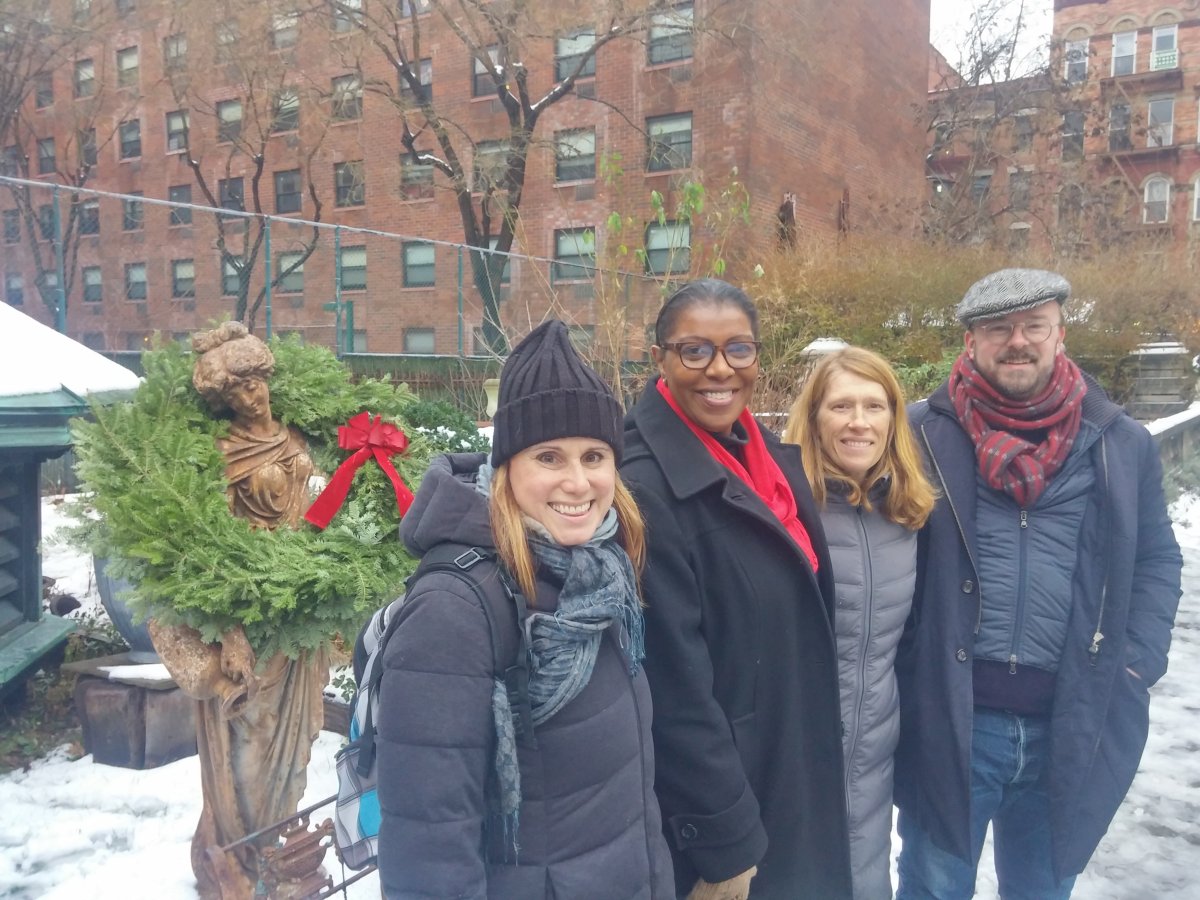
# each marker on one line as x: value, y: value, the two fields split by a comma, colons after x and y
x: 419, y: 264
x: 1160, y: 122
x: 669, y: 142
x: 347, y: 98
x: 85, y: 78
x: 231, y: 279
x: 180, y: 193
x: 183, y: 278
x: 1075, y: 61
x: 420, y: 340
x: 670, y: 36
x: 349, y: 183
x: 1196, y: 200
x: 127, y: 67
x: 93, y: 284
x: 416, y: 179
x: 575, y: 155
x: 423, y: 69
x: 175, y: 52
x: 570, y: 51
x: 347, y: 15
x: 133, y: 212
x: 285, y: 30
x: 1124, y: 53
x: 46, y: 157
x: 227, y: 34
x: 491, y: 160
x: 506, y: 272
x: 229, y: 120
x: 288, y: 189
x: 668, y: 248
x: 89, y: 217
x: 574, y: 254
x: 130, y: 133
x: 1072, y: 134
x: 177, y: 130
x: 1119, y: 121
x: 135, y: 281
x: 14, y: 289
x: 285, y: 112
x: 354, y: 268
x: 1156, y: 200
x: 482, y: 83
x: 290, y: 272
x: 1164, y: 49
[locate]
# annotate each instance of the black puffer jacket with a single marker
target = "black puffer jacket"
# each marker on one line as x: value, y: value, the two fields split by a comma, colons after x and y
x: 741, y: 659
x: 589, y: 826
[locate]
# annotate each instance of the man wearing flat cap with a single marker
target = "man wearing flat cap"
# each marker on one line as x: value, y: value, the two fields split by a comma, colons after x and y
x: 1047, y: 583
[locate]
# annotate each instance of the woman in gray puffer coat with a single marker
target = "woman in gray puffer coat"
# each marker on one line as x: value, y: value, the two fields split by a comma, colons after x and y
x: 867, y: 476
x: 481, y: 796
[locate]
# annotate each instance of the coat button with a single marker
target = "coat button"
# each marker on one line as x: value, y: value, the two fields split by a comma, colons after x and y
x: 688, y: 832
x: 961, y: 655
x: 968, y: 586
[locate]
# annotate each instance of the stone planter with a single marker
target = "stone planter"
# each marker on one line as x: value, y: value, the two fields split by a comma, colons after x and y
x: 137, y: 636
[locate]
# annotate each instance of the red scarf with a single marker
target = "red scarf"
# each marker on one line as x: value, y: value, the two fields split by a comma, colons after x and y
x: 1007, y: 462
x: 761, y: 473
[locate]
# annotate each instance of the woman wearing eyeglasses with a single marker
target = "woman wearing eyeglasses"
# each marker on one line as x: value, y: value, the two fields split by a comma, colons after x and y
x: 740, y: 646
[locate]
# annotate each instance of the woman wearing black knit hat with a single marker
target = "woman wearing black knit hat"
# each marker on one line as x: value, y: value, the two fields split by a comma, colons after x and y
x: 491, y: 787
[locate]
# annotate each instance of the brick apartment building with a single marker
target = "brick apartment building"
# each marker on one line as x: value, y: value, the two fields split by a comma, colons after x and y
x: 279, y: 110
x: 1100, y: 150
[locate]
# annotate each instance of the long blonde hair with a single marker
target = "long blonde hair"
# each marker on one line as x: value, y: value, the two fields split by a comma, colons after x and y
x: 911, y: 497
x: 512, y: 544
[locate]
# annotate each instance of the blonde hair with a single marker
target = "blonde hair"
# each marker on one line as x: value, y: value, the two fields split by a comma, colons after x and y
x: 512, y: 545
x: 911, y: 497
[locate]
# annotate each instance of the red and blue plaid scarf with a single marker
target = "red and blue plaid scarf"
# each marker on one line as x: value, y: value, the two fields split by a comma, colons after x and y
x: 1008, y: 462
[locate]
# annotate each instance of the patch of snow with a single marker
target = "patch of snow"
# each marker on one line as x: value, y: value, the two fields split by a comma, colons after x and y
x: 35, y: 359
x: 142, y: 672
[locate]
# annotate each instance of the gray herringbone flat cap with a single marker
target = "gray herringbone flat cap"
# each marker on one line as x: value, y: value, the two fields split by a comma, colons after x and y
x: 1009, y: 291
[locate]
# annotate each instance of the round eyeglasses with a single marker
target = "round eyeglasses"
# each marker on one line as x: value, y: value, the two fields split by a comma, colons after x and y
x: 700, y: 354
x: 1002, y: 332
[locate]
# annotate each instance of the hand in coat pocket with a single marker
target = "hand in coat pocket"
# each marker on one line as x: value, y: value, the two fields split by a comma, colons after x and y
x: 735, y: 888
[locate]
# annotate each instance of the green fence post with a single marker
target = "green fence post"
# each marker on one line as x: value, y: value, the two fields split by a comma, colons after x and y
x: 60, y: 292
x: 460, y: 301
x: 267, y: 270
x: 337, y: 291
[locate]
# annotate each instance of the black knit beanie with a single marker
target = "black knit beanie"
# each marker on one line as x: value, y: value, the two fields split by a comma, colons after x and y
x: 547, y: 391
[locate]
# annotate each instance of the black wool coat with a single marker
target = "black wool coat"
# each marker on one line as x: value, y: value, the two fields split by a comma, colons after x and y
x: 743, y: 669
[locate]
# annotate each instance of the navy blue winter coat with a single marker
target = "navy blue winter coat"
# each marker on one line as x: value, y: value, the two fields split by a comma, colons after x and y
x: 1126, y: 588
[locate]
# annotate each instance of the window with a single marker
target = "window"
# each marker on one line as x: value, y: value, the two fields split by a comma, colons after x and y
x: 180, y: 193
x: 669, y: 142
x: 94, y: 340
x: 482, y: 82
x: 45, y: 156
x: 132, y: 214
x: 1023, y: 133
x: 582, y: 337
x: 424, y: 72
x: 575, y: 155
x: 1118, y: 127
x: 45, y: 216
x: 1160, y: 122
x: 507, y: 271
x: 175, y: 52
x: 125, y: 7
x: 1156, y: 197
x: 354, y: 268
x: 43, y: 90
x: 574, y: 254
x: 231, y: 194
x: 47, y: 284
x: 420, y: 340
x: 1075, y: 58
x: 668, y: 248
x: 127, y: 67
x: 416, y: 179
x: 1072, y: 134
x: 14, y: 289
x: 408, y: 7
x: 183, y: 278
x: 131, y: 139
x: 1196, y: 200
x: 85, y: 78
x: 87, y: 147
x: 93, y: 284
x: 82, y: 11
x: 12, y: 226
x: 1124, y: 49
x: 177, y: 130
x: 89, y: 217
x: 231, y: 279
x: 229, y: 120
x: 491, y: 161
x: 670, y: 36
x: 347, y: 15
x: 227, y: 35
x: 1164, y: 49
x: 135, y: 281
x: 10, y: 162
x: 1018, y: 191
x: 285, y: 29
x: 1070, y: 207
x: 285, y: 111
x: 347, y: 98
x: 418, y: 264
x: 570, y: 50
x: 290, y: 282
x: 287, y: 191
x: 349, y: 184
x: 981, y: 185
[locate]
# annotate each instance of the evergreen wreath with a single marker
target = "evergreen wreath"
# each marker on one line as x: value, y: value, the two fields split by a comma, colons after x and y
x: 157, y: 480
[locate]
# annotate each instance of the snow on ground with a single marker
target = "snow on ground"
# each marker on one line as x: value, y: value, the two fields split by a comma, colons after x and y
x: 71, y: 828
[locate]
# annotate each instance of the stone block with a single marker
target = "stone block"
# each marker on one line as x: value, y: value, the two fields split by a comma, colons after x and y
x: 134, y: 727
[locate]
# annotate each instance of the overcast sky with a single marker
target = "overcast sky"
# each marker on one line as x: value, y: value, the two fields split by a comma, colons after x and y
x: 951, y: 19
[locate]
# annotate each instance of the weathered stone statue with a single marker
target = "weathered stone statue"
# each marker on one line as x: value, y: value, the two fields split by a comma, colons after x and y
x: 256, y: 720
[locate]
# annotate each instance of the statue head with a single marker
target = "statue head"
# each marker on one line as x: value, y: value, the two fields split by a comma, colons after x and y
x: 227, y: 358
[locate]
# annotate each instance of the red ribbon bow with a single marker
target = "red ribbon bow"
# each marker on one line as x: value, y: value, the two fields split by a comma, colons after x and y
x: 367, y: 436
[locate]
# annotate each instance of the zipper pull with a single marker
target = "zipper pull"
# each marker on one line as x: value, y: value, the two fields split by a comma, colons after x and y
x: 1012, y: 664
x: 1096, y: 639
x: 1024, y: 519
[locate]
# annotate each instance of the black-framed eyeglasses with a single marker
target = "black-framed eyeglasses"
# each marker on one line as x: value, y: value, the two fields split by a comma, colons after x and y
x: 1002, y: 332
x: 700, y: 354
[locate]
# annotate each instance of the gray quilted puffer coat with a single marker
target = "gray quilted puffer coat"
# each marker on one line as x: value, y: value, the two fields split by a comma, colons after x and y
x: 874, y: 566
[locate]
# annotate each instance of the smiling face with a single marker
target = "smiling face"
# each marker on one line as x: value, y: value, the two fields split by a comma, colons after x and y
x: 854, y: 424
x: 1017, y: 367
x: 712, y: 397
x: 566, y: 485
